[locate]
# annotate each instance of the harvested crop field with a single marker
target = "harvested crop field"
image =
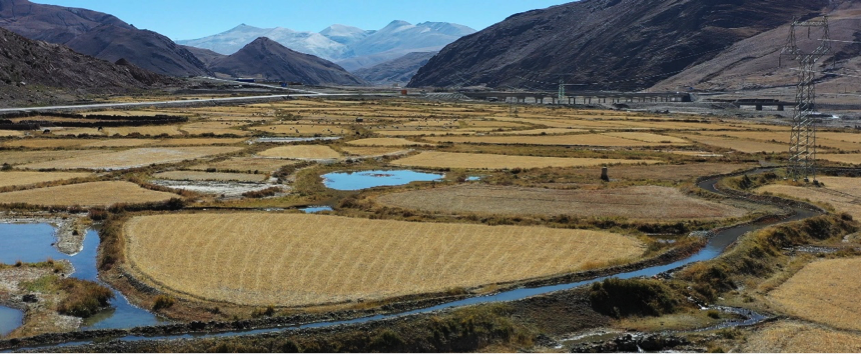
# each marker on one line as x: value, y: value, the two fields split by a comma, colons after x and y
x: 639, y: 203
x: 23, y: 157
x: 385, y: 142
x: 301, y: 152
x: 541, y: 131
x: 840, y: 192
x: 198, y: 141
x: 795, y: 337
x: 6, y: 133
x: 215, y: 128
x: 664, y: 172
x: 579, y: 139
x: 245, y: 164
x: 435, y: 159
x: 303, y: 129
x: 118, y: 143
x: 742, y: 145
x: 87, y: 194
x: 19, y: 178
x: 420, y: 132
x: 855, y: 159
x: 825, y: 291
x: 294, y: 259
x: 209, y: 176
x: 649, y: 137
x: 151, y: 130
x: 372, y: 150
x: 45, y: 143
x: 132, y: 158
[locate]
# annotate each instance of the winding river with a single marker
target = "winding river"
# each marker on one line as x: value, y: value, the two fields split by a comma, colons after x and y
x: 714, y: 247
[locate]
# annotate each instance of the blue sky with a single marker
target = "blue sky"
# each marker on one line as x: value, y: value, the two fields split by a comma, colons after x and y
x: 189, y: 19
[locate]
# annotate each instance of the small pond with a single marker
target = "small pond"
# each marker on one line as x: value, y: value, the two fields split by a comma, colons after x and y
x: 351, y: 181
x: 32, y: 243
x: 10, y: 319
x: 316, y: 209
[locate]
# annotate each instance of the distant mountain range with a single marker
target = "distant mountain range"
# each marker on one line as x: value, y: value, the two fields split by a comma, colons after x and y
x: 608, y: 44
x: 396, y: 71
x: 350, y: 47
x: 267, y: 59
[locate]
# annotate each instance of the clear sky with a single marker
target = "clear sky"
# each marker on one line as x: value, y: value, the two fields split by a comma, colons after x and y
x: 190, y: 19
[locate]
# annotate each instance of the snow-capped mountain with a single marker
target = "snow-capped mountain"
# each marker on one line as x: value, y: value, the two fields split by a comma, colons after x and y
x: 351, y: 47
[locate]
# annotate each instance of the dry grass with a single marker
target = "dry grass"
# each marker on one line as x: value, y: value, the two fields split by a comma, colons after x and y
x: 295, y: 259
x: 87, y: 194
x: 16, y: 178
x: 304, y: 129
x: 840, y: 192
x: 45, y: 143
x: 664, y: 172
x: 119, y: 143
x: 434, y: 159
x: 151, y: 130
x: 640, y: 203
x: 209, y: 176
x: 216, y: 128
x: 840, y: 141
x: 492, y: 123
x: 649, y: 137
x: 22, y: 157
x: 77, y: 131
x: 385, y: 142
x: 848, y: 137
x: 794, y: 337
x: 7, y: 133
x: 825, y: 291
x: 372, y: 150
x: 748, y: 146
x: 132, y: 158
x: 843, y: 158
x: 420, y: 132
x: 198, y: 141
x: 579, y: 139
x: 245, y: 164
x: 541, y: 131
x: 301, y: 152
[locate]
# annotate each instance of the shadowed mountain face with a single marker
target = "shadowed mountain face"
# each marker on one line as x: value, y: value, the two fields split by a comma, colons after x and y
x: 99, y: 35
x: 395, y: 71
x: 267, y: 59
x: 39, y: 65
x: 608, y: 44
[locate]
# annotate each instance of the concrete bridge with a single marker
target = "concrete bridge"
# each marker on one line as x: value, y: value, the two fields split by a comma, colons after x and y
x: 757, y: 103
x: 580, y: 97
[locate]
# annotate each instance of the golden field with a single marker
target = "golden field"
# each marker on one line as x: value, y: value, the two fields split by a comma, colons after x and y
x: 245, y: 164
x: 420, y: 132
x: 301, y: 152
x: 152, y: 130
x: 541, y: 131
x: 434, y: 159
x: 855, y: 159
x: 198, y: 141
x: 638, y: 203
x: 86, y: 194
x: 840, y: 192
x: 10, y: 133
x: 385, y: 142
x: 664, y: 172
x: 372, y: 150
x: 649, y: 137
x: 23, y: 157
x: 132, y: 158
x: 45, y: 143
x: 825, y: 291
x: 23, y: 178
x: 571, y: 140
x: 304, y: 129
x: 795, y: 337
x: 748, y: 146
x: 209, y: 176
x: 215, y: 128
x: 295, y: 259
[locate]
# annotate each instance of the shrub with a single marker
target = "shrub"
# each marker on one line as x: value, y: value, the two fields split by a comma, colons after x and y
x: 83, y: 297
x: 163, y: 302
x: 388, y: 341
x: 625, y: 297
x: 271, y: 191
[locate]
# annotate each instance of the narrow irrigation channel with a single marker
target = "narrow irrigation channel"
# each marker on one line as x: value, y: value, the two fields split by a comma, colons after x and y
x: 715, y: 246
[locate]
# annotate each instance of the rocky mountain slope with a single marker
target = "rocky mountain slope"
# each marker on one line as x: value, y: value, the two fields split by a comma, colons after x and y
x: 100, y: 35
x: 267, y: 59
x: 395, y: 71
x: 350, y: 47
x: 39, y: 72
x: 607, y: 44
x: 752, y: 63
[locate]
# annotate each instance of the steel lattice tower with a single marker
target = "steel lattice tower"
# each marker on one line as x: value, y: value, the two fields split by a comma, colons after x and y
x: 803, y: 148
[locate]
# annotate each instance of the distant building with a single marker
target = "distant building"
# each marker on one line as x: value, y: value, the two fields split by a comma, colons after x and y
x: 244, y: 79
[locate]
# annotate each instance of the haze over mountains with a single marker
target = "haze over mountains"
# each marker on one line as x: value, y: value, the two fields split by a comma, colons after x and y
x: 347, y: 46
x: 608, y: 44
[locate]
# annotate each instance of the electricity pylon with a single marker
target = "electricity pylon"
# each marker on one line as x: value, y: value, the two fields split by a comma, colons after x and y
x: 803, y: 150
